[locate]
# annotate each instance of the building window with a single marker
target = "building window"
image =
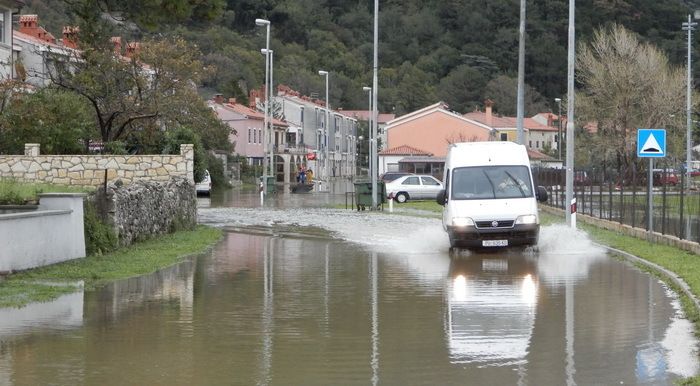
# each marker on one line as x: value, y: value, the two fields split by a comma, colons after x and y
x: 249, y: 135
x: 504, y: 137
x: 260, y: 136
x: 529, y: 143
x: 537, y: 144
x: 2, y: 27
x: 255, y: 136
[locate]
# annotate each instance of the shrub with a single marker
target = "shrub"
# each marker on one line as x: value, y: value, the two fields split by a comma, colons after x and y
x: 99, y: 237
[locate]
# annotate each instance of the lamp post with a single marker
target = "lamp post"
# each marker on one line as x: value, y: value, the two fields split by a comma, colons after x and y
x: 570, y: 134
x: 375, y: 91
x: 372, y: 166
x: 326, y: 126
x: 688, y: 26
x: 268, y: 91
x: 266, y: 23
x: 559, y: 142
x: 521, y: 77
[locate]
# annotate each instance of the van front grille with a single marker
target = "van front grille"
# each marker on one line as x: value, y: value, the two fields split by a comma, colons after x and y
x: 495, y: 224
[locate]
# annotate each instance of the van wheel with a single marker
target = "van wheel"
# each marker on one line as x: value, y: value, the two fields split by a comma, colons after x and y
x: 401, y: 197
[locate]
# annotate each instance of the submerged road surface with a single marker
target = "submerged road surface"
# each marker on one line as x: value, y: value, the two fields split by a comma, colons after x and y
x: 300, y: 295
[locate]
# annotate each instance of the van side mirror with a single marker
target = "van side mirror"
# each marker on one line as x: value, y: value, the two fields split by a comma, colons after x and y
x: 440, y: 199
x: 541, y: 194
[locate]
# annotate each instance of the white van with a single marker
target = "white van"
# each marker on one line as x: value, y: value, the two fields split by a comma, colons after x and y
x: 489, y: 198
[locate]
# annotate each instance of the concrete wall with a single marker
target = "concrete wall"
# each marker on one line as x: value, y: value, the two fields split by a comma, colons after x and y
x: 89, y: 170
x: 49, y: 235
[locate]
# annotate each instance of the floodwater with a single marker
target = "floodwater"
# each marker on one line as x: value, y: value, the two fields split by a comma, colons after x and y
x: 298, y: 294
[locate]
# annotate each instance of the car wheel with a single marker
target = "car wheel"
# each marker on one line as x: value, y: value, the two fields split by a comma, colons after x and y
x: 401, y: 197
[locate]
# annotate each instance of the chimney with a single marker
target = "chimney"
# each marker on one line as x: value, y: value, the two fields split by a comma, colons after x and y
x: 28, y: 23
x: 489, y: 112
x: 70, y: 37
x: 218, y: 99
x: 232, y: 101
x: 117, y: 45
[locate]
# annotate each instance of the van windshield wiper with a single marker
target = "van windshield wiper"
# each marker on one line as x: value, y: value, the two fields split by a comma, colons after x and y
x: 517, y: 182
x: 493, y: 187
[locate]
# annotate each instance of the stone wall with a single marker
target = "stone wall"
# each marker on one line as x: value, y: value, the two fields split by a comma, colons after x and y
x: 91, y: 169
x: 143, y: 209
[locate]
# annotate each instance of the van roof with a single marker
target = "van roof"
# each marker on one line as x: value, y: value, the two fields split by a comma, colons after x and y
x: 486, y: 153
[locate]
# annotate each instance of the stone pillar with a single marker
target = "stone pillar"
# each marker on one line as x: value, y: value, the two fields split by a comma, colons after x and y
x: 187, y: 152
x: 31, y: 149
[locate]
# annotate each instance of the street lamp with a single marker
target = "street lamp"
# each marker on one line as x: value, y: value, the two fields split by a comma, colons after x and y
x: 558, y: 100
x: 375, y: 91
x: 327, y: 125
x: 266, y: 23
x: 690, y: 27
x: 270, y: 121
x: 372, y: 166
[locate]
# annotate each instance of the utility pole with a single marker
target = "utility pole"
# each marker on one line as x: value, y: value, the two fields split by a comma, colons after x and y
x: 521, y: 76
x: 688, y: 26
x: 375, y: 91
x: 570, y: 134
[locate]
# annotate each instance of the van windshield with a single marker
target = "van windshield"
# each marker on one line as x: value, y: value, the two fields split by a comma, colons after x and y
x: 488, y: 182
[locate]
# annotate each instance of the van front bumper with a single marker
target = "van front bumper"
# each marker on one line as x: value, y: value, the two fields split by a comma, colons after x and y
x: 473, y: 237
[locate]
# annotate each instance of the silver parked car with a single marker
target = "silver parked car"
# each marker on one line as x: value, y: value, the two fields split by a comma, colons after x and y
x: 414, y: 187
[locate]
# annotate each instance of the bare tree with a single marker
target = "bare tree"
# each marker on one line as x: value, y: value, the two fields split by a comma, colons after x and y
x: 626, y: 85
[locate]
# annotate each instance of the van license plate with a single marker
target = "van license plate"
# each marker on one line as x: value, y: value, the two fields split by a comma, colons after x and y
x: 494, y: 243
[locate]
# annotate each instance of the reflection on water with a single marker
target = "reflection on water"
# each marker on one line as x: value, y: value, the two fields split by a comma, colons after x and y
x: 490, y: 312
x: 375, y: 299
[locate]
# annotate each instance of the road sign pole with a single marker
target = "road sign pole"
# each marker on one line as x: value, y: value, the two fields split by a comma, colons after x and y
x: 650, y: 198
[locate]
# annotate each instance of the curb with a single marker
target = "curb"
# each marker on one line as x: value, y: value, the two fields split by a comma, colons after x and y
x: 677, y: 280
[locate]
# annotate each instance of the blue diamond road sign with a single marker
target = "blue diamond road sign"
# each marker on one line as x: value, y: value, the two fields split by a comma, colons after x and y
x: 651, y: 143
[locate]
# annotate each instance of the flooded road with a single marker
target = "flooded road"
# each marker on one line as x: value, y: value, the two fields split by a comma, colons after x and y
x: 296, y: 294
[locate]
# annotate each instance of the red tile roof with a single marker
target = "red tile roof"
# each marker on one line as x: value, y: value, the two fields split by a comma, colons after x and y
x: 252, y: 114
x: 537, y: 155
x: 508, y: 122
x: 404, y: 150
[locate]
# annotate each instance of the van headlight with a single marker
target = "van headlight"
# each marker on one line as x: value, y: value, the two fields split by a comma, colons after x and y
x: 462, y: 222
x: 526, y: 219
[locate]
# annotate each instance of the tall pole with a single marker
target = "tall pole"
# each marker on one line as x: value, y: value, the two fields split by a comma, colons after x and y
x: 266, y: 23
x: 570, y: 135
x: 369, y: 126
x: 326, y: 128
x: 375, y: 91
x: 521, y: 76
x: 271, y: 121
x: 688, y: 26
x: 559, y: 142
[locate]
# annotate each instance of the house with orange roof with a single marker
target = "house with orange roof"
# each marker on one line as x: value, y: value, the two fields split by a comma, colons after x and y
x: 33, y: 44
x: 248, y: 126
x: 538, y: 136
x: 398, y: 159
x: 434, y: 128
x: 7, y: 55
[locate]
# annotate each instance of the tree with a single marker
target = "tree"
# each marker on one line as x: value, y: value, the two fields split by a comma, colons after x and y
x: 60, y: 121
x: 627, y: 84
x: 503, y: 90
x: 139, y: 96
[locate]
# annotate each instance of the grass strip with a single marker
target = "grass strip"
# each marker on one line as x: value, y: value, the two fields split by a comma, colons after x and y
x: 143, y: 258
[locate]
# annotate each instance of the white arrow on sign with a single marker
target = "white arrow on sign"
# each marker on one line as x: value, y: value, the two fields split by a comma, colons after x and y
x: 651, y: 145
